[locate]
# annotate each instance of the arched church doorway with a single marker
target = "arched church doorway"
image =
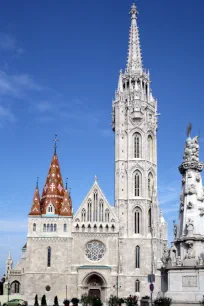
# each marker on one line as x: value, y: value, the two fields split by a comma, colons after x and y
x: 95, y: 285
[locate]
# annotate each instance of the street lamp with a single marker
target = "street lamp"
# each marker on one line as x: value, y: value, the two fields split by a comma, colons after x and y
x: 9, y: 288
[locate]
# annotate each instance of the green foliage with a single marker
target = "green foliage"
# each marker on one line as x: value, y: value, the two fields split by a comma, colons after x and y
x: 131, y: 300
x: 43, y: 301
x: 75, y: 301
x: 36, y: 300
x: 113, y: 300
x: 121, y: 301
x: 86, y: 300
x: 96, y: 301
x: 163, y: 301
x: 66, y: 301
x: 56, y: 301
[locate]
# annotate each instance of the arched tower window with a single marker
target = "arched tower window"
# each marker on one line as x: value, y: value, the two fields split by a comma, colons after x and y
x: 137, y: 286
x: 51, y: 227
x: 44, y: 227
x: 101, y: 210
x: 150, y: 148
x: 55, y: 227
x: 137, y: 183
x: 89, y: 210
x: 65, y: 227
x: 34, y: 227
x: 150, y: 185
x: 137, y: 220
x: 149, y: 220
x: 95, y: 212
x: 15, y: 286
x: 137, y: 147
x: 48, y: 227
x: 83, y: 215
x: 49, y: 256
x: 137, y: 257
x: 107, y: 215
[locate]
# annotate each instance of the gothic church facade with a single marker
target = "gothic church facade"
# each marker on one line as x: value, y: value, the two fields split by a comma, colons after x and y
x: 101, y: 249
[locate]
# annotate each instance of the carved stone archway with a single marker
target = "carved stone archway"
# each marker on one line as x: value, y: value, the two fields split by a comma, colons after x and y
x: 95, y: 285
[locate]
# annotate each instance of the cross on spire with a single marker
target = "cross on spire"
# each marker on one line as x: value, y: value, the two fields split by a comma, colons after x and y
x: 37, y: 182
x: 55, y: 144
x: 66, y: 181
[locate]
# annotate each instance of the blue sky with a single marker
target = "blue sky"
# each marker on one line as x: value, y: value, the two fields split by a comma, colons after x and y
x: 59, y: 64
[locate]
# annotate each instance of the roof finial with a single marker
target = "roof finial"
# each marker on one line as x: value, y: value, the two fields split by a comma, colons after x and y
x: 55, y: 145
x: 66, y: 182
x: 37, y: 182
x: 96, y: 178
x: 189, y: 128
x: 134, y: 11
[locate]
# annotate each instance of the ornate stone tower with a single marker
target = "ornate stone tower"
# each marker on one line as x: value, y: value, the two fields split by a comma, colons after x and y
x: 134, y: 121
x: 185, y: 260
x: 9, y: 265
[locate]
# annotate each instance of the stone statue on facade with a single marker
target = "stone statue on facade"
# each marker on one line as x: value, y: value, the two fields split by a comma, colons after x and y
x: 190, y: 227
x: 178, y: 261
x: 191, y: 151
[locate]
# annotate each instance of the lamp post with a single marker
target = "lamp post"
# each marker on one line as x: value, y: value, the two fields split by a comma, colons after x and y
x: 9, y: 287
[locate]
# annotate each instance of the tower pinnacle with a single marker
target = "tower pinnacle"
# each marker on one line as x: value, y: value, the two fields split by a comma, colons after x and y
x: 55, y: 145
x: 134, y: 61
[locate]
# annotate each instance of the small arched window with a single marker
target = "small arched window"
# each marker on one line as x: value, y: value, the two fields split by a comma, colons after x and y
x: 137, y: 220
x: 89, y: 210
x: 150, y: 185
x: 48, y: 227
x: 49, y: 256
x: 101, y: 210
x: 137, y: 286
x: 51, y: 227
x: 55, y: 227
x: 107, y: 215
x: 83, y: 215
x: 137, y: 257
x: 34, y: 227
x: 16, y: 287
x: 149, y: 220
x: 137, y: 183
x: 137, y: 147
x: 95, y: 208
x: 44, y: 227
x: 150, y: 148
x: 65, y: 227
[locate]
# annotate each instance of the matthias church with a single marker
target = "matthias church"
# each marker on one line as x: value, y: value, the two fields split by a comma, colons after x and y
x: 108, y: 250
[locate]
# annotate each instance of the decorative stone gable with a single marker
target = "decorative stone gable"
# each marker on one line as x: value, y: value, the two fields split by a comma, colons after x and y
x: 95, y: 214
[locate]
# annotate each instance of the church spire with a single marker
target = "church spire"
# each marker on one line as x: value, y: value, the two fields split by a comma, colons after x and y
x: 134, y: 61
x: 53, y: 191
x: 66, y: 208
x: 35, y: 208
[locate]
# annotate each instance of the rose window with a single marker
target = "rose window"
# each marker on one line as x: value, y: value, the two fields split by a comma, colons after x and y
x: 95, y: 250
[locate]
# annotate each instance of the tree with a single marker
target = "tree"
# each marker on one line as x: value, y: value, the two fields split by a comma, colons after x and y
x: 36, y: 300
x: 43, y: 301
x: 56, y: 301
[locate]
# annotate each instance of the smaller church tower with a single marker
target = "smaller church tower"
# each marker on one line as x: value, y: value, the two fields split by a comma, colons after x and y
x: 185, y: 260
x: 9, y: 265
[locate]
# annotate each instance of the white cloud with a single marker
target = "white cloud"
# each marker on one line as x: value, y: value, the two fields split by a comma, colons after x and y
x: 9, y: 43
x: 6, y: 115
x: 16, y: 85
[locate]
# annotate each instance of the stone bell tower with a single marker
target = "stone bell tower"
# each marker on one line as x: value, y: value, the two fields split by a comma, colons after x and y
x: 134, y: 121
